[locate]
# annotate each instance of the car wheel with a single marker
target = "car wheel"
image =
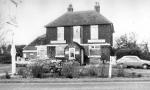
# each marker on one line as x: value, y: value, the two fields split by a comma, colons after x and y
x: 145, y: 66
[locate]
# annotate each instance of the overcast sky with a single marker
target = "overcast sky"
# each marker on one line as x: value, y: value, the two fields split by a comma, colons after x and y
x: 127, y: 16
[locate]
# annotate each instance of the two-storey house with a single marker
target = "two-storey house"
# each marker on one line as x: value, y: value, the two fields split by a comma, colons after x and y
x: 89, y: 31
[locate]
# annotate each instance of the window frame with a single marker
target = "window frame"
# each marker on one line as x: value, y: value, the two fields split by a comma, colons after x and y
x: 60, y: 33
x: 75, y: 37
x: 94, y: 32
x: 58, y: 48
x: 94, y: 47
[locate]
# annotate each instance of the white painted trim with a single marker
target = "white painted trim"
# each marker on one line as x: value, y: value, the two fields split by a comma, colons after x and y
x: 29, y: 50
x: 95, y: 56
x: 96, y: 41
x: 107, y: 44
x: 57, y: 45
x: 59, y: 41
x: 59, y: 56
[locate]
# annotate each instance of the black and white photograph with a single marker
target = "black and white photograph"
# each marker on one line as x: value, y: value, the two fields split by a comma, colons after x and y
x: 74, y: 44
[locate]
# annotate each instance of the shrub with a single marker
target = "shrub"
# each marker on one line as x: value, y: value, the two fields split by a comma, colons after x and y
x: 37, y: 70
x: 95, y: 70
x: 103, y: 70
x: 70, y: 69
x: 122, y: 52
x: 120, y: 72
x: 25, y: 72
x: 34, y: 70
x: 89, y: 70
x: 5, y: 58
x: 6, y: 76
x: 139, y: 75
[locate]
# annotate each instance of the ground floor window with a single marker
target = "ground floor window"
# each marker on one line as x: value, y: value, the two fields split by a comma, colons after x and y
x: 42, y: 52
x: 60, y: 51
x: 95, y: 50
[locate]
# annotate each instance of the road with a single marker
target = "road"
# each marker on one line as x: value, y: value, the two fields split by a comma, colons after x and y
x: 77, y: 86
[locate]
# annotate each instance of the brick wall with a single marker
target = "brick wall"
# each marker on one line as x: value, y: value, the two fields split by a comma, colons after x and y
x: 105, y: 32
x: 68, y: 34
x: 51, y: 34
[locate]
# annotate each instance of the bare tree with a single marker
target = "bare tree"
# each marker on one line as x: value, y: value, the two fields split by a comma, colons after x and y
x: 126, y: 41
x: 6, y: 20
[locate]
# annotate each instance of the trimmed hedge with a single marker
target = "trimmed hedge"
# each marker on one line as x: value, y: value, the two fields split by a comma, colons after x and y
x: 5, y: 58
x: 123, y: 52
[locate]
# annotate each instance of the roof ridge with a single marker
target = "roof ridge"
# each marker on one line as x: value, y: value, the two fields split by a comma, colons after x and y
x: 88, y: 17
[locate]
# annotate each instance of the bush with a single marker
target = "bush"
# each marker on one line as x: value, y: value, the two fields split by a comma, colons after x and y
x: 6, y: 76
x: 34, y: 70
x: 38, y: 69
x: 104, y: 70
x: 123, y: 52
x: 5, y: 58
x: 70, y: 69
x: 96, y: 71
x: 120, y: 72
x: 25, y: 72
x: 89, y: 70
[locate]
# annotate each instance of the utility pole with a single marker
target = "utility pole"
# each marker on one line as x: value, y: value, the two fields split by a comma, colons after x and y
x: 110, y: 67
x: 13, y: 49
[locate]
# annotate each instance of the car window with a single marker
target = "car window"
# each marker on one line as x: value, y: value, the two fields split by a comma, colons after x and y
x: 131, y: 59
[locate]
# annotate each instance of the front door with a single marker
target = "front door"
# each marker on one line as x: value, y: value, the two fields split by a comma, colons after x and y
x: 71, y: 53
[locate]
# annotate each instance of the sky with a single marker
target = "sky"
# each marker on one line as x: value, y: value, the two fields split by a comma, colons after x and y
x: 32, y: 15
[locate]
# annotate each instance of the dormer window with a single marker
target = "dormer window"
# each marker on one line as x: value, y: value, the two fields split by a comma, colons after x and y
x: 60, y: 33
x: 94, y: 32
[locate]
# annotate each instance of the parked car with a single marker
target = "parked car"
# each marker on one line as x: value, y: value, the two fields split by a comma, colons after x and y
x: 133, y: 61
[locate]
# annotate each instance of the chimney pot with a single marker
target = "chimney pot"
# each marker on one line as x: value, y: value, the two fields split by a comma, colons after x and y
x: 97, y: 7
x: 70, y: 8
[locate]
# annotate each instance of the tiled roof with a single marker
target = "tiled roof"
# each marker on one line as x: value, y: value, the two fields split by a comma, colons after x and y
x: 41, y: 40
x: 79, y: 18
x: 30, y: 48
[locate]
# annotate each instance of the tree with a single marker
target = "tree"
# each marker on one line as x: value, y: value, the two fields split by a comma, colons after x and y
x: 127, y: 45
x: 126, y: 41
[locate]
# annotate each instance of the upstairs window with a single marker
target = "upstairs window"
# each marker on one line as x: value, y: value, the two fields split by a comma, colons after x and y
x: 94, y: 32
x: 76, y: 34
x: 60, y: 33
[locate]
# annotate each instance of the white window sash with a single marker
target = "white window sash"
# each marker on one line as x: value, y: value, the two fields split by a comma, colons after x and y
x: 94, y: 32
x: 94, y: 48
x: 76, y: 34
x: 60, y: 33
x: 59, y: 51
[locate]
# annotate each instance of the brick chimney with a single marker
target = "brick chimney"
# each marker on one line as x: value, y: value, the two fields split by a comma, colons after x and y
x: 97, y: 7
x: 70, y: 8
